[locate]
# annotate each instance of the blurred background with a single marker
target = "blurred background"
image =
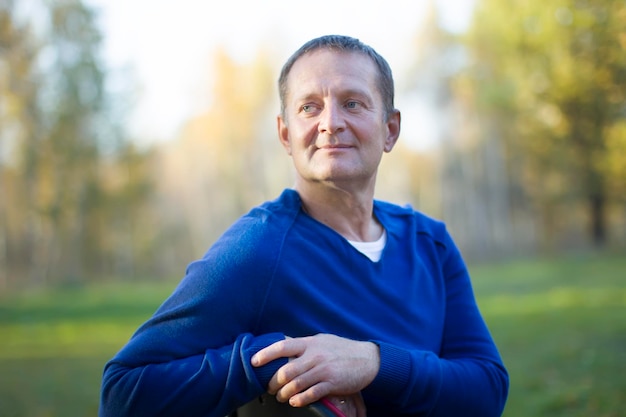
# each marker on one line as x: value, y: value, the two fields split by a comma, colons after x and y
x: 132, y: 133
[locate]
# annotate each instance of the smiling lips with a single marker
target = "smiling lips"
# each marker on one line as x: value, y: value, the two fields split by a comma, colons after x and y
x: 332, y: 147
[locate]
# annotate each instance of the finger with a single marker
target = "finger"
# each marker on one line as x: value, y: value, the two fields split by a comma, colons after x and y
x: 310, y: 395
x: 291, y: 378
x: 281, y: 349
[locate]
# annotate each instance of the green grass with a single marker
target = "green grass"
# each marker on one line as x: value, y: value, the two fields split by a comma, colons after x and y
x: 55, y: 343
x: 561, y: 329
x: 560, y: 326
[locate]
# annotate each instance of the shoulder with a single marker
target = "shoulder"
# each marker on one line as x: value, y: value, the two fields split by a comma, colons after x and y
x: 406, y: 216
x: 260, y: 231
x: 250, y: 247
x: 271, y: 218
x: 429, y: 236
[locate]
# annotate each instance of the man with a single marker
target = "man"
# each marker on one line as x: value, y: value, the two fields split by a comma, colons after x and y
x: 323, y: 293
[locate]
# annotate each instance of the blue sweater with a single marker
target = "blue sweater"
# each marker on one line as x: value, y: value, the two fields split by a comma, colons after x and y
x: 279, y: 272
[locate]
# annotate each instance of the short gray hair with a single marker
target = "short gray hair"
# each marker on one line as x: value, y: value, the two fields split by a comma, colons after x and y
x: 342, y: 43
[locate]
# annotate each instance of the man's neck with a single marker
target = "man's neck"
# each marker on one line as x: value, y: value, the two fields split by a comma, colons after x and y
x: 348, y: 213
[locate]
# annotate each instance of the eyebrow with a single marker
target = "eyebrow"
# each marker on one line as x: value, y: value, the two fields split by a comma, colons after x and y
x: 350, y: 92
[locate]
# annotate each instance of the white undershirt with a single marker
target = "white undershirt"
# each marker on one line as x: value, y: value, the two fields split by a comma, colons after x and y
x: 372, y: 250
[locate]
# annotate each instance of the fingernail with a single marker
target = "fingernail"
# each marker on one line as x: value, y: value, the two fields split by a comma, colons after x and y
x: 254, y: 360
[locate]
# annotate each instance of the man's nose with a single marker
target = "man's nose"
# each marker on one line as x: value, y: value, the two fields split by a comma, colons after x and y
x: 331, y: 120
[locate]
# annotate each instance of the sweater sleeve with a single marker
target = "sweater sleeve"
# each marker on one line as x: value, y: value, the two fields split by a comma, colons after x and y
x: 466, y: 377
x: 192, y: 357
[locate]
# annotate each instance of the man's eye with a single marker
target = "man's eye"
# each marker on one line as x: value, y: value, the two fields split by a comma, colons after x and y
x: 307, y: 108
x: 352, y: 104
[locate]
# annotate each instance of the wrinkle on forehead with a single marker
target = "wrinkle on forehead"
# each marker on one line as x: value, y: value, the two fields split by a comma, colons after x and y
x: 323, y: 72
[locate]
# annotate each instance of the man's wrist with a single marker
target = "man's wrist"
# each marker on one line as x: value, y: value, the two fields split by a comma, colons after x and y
x: 373, y: 353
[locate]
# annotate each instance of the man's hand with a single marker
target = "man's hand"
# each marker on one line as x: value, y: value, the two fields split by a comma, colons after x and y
x: 319, y: 366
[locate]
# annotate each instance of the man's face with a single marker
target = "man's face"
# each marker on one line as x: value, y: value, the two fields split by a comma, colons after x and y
x: 334, y: 125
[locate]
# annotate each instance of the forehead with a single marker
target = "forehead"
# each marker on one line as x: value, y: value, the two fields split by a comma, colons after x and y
x: 332, y: 70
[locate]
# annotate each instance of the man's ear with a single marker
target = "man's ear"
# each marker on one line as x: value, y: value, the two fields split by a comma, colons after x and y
x: 283, y: 133
x: 393, y: 130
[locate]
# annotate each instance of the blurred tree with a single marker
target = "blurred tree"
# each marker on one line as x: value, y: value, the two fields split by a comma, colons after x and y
x: 225, y: 160
x: 552, y: 79
x: 19, y: 130
x: 62, y: 154
x: 73, y: 102
x: 470, y: 187
x: 123, y: 224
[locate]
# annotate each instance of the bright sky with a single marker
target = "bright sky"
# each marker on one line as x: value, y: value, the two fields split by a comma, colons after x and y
x: 166, y: 44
